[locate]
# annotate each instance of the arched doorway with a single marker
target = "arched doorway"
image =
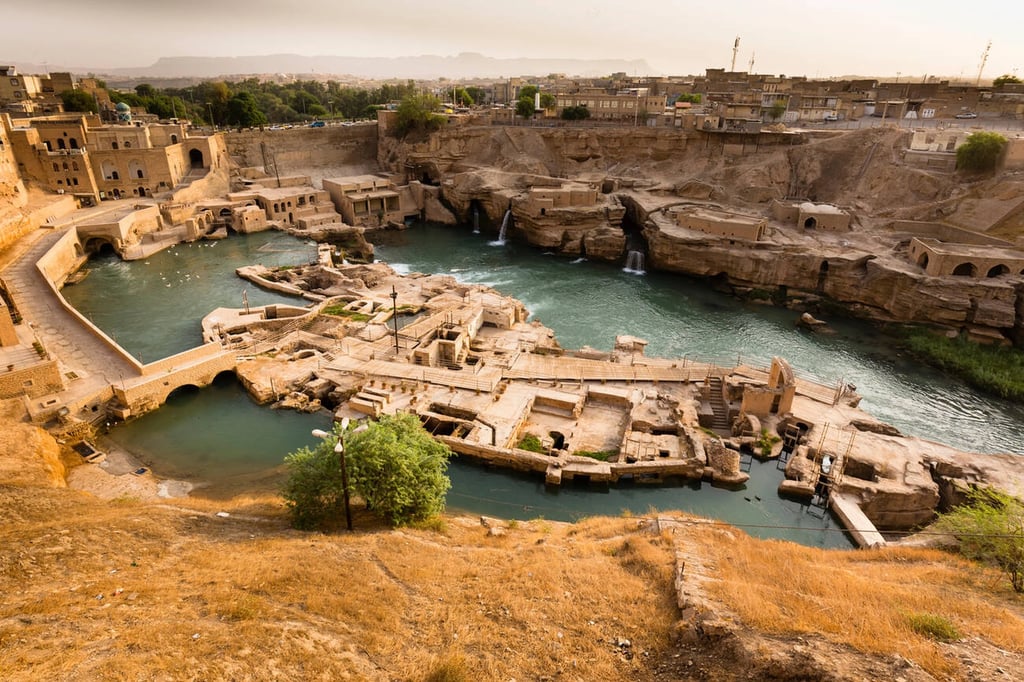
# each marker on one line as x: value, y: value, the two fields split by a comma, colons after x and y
x: 142, y: 191
x: 923, y: 261
x: 997, y: 270
x: 98, y: 245
x: 810, y: 223
x: 195, y: 158
x: 965, y: 270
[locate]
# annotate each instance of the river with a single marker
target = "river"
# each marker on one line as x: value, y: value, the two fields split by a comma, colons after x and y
x: 219, y: 437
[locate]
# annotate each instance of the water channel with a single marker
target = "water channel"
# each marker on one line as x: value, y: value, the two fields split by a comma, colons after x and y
x: 219, y: 436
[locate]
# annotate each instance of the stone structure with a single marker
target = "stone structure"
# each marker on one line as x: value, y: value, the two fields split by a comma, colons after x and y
x: 939, y: 259
x: 288, y: 201
x: 726, y: 224
x: 368, y: 200
x: 810, y: 216
x: 77, y: 155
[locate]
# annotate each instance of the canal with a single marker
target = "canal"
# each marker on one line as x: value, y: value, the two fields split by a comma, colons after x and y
x: 219, y: 437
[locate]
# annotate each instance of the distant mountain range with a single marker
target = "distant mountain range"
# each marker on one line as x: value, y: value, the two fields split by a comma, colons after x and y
x: 465, y: 65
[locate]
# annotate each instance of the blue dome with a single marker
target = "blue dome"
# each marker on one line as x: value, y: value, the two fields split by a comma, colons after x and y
x: 121, y: 106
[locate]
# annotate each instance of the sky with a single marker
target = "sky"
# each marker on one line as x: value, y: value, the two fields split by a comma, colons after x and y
x: 814, y: 39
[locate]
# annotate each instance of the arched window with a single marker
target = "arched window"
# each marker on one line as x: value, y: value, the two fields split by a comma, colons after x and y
x: 965, y: 270
x: 139, y: 174
x: 65, y: 165
x: 56, y: 167
x: 115, y: 176
x: 74, y: 181
x: 127, y: 144
x: 74, y: 165
x: 174, y: 139
x: 997, y: 270
x: 73, y: 143
x: 113, y: 145
x: 61, y: 144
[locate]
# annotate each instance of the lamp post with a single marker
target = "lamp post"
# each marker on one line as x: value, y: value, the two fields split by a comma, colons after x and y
x: 331, y: 102
x: 394, y: 314
x: 339, y: 448
x: 209, y: 107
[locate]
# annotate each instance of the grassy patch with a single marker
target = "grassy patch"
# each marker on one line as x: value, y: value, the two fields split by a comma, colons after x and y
x: 765, y: 442
x: 339, y: 311
x: 934, y: 627
x: 602, y: 455
x: 532, y: 443
x: 993, y: 369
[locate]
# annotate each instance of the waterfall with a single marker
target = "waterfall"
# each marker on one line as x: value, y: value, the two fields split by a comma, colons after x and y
x: 476, y: 220
x: 634, y: 262
x: 504, y: 228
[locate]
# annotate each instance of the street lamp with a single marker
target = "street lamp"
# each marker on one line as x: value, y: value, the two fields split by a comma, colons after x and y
x: 339, y: 448
x: 394, y: 314
x: 331, y: 102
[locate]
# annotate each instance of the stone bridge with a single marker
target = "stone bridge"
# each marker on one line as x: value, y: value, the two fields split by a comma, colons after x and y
x: 195, y: 367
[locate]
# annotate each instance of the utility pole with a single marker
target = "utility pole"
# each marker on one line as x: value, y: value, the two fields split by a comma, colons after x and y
x: 735, y: 50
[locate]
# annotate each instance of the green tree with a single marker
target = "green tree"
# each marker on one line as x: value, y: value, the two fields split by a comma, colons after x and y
x: 313, y: 492
x: 244, y: 111
x: 981, y: 151
x: 418, y: 112
x: 576, y: 113
x: 78, y: 100
x: 777, y: 110
x: 547, y: 100
x: 1005, y: 78
x: 692, y: 97
x: 528, y: 91
x: 399, y: 469
x: 477, y: 94
x: 525, y: 107
x: 145, y: 90
x: 990, y: 529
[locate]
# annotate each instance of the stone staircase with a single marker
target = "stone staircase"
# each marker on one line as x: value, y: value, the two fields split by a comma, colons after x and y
x: 718, y: 406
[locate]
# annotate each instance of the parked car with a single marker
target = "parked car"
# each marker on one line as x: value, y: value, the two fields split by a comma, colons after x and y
x: 317, y: 124
x: 967, y: 114
x: 831, y: 117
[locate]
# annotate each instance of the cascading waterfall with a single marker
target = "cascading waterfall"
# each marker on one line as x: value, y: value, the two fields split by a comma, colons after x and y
x: 476, y: 220
x: 504, y: 229
x: 634, y: 263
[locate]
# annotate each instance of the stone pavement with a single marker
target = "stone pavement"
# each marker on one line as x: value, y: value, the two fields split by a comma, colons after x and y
x: 88, y: 364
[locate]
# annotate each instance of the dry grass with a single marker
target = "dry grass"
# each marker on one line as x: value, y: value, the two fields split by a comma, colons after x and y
x: 869, y: 600
x: 124, y: 590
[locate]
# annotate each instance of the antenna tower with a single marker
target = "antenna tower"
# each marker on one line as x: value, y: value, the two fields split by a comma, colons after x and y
x: 735, y: 49
x: 750, y: 67
x: 984, y: 58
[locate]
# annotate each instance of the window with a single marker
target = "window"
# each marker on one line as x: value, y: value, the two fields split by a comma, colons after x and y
x: 56, y: 167
x: 74, y: 181
x: 14, y: 81
x: 74, y: 165
x: 65, y: 165
x: 113, y: 145
x: 127, y: 144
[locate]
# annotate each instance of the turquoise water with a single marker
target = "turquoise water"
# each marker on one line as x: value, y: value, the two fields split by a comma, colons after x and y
x: 220, y: 437
x: 154, y: 308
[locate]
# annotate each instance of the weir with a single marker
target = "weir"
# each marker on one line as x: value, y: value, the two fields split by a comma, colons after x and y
x: 635, y: 263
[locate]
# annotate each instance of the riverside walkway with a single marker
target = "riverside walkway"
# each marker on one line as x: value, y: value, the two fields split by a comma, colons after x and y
x: 88, y: 364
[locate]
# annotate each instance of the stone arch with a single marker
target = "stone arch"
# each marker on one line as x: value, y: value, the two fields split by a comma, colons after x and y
x: 183, y: 391
x: 174, y: 139
x: 109, y: 170
x: 965, y: 270
x: 142, y: 191
x: 116, y: 192
x: 195, y: 158
x: 923, y: 261
x: 997, y: 270
x: 810, y: 223
x: 97, y: 244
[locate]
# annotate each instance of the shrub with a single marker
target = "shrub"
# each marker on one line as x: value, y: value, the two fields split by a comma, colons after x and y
x: 990, y: 528
x: 934, y: 627
x: 981, y: 151
x: 532, y: 443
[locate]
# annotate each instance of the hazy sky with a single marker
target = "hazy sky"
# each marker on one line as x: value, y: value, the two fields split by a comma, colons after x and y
x: 870, y: 37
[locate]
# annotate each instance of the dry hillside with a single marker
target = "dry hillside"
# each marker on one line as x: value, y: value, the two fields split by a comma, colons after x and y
x: 128, y: 590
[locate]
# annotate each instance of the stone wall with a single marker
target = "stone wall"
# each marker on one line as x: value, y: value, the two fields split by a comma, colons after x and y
x: 37, y: 380
x: 354, y: 145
